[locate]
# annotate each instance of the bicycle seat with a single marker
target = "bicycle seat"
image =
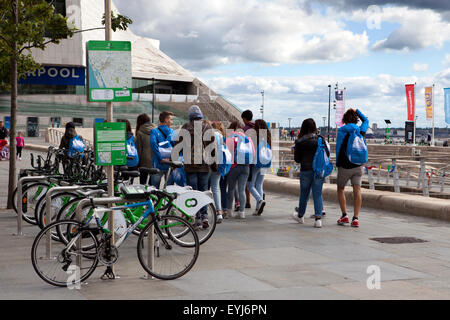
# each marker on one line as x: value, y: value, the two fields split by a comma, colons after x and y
x: 149, y: 170
x: 120, y: 168
x: 129, y: 174
x: 173, y: 164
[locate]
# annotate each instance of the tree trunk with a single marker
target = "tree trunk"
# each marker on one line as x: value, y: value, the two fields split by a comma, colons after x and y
x: 12, y: 135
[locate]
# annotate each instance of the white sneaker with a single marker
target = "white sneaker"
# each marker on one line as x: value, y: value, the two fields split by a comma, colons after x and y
x: 318, y: 224
x: 219, y: 218
x: 297, y: 218
x: 241, y: 215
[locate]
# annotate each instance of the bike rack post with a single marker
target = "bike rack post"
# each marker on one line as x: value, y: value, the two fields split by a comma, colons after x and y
x: 396, y: 176
x: 20, y: 199
x: 48, y: 212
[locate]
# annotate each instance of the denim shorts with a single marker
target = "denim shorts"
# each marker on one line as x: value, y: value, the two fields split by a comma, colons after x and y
x: 354, y: 175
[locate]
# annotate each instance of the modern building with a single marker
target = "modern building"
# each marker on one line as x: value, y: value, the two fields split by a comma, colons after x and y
x: 56, y: 93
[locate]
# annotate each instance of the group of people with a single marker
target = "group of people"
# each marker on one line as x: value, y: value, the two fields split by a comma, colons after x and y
x: 4, y: 149
x: 230, y: 185
x: 304, y: 151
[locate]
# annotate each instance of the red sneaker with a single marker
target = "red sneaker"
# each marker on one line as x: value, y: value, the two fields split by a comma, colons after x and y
x: 343, y: 220
x: 355, y: 223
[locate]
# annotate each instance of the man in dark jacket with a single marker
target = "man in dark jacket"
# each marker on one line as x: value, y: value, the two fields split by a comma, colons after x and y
x: 197, y: 171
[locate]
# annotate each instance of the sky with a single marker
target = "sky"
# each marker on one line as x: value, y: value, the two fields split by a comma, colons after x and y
x: 293, y: 49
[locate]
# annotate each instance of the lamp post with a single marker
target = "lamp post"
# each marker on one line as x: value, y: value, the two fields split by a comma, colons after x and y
x: 289, y: 124
x: 329, y: 106
x: 262, y: 106
x: 324, y: 118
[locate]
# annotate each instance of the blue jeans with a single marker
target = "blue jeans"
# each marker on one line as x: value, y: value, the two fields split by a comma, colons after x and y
x: 199, y: 181
x: 240, y: 174
x: 156, y: 180
x: 223, y: 192
x: 255, y: 186
x: 308, y: 183
x: 214, y: 180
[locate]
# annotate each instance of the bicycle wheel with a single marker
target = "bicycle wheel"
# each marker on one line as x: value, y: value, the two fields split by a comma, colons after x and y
x: 168, y: 259
x: 203, y: 233
x: 31, y: 194
x: 56, y: 203
x: 57, y: 265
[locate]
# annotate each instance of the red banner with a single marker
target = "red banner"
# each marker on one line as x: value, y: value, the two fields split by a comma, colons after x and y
x: 410, y: 101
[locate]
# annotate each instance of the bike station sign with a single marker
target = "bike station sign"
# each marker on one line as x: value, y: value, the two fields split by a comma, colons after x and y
x: 109, y: 71
x: 110, y: 144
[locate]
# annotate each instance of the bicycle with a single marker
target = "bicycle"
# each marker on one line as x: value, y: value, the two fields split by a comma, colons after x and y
x: 174, y: 238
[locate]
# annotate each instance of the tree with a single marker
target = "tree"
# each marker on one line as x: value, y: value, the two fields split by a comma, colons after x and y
x: 24, y: 25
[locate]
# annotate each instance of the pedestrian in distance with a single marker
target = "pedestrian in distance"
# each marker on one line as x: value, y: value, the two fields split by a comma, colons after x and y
x: 4, y: 133
x: 145, y: 153
x: 305, y: 149
x: 217, y: 180
x: 161, y: 144
x: 20, y: 144
x: 132, y: 154
x: 243, y: 152
x: 263, y: 161
x: 247, y: 117
x: 347, y: 170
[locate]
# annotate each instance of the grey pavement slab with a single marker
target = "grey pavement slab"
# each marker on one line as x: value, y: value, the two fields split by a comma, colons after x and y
x: 265, y: 257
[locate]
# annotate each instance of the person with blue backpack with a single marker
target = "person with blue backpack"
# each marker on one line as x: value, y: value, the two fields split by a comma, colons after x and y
x: 351, y: 154
x: 263, y: 162
x: 304, y: 153
x: 243, y: 154
x: 132, y: 153
x: 71, y: 141
x: 220, y: 171
x: 161, y: 144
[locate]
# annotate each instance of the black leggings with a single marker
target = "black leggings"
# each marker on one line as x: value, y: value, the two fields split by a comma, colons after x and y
x: 19, y: 151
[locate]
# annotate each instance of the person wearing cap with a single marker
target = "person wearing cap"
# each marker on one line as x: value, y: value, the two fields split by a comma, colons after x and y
x: 197, y: 171
x: 159, y: 137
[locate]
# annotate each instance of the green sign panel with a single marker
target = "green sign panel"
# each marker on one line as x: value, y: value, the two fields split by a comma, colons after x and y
x: 110, y: 144
x: 109, y: 71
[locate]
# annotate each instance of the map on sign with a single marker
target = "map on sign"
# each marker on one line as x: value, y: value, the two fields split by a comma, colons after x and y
x: 109, y: 71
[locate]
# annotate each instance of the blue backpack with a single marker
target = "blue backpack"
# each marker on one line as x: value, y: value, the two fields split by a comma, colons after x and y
x: 244, y: 151
x: 225, y: 161
x: 264, y: 156
x: 322, y: 166
x: 357, y: 152
x: 132, y: 153
x: 76, y: 144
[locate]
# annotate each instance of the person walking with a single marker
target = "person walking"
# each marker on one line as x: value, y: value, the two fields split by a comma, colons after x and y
x: 161, y: 145
x: 347, y: 170
x: 4, y: 133
x: 264, y: 160
x: 215, y: 178
x: 247, y: 117
x: 197, y: 171
x: 20, y: 143
x: 305, y: 149
x: 145, y: 153
x: 237, y: 142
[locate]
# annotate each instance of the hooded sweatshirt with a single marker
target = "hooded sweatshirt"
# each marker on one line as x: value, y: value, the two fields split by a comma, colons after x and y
x: 342, y: 141
x: 145, y: 153
x: 158, y: 135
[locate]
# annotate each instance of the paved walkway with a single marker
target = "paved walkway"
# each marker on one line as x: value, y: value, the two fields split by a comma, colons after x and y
x: 267, y: 257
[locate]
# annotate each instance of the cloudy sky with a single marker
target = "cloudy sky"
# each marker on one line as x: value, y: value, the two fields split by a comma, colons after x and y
x: 293, y: 49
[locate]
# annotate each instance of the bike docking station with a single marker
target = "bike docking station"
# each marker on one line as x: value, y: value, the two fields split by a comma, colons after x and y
x: 22, y: 181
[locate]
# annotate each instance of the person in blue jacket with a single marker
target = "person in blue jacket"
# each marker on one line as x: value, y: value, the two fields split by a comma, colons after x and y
x: 158, y: 137
x: 347, y: 170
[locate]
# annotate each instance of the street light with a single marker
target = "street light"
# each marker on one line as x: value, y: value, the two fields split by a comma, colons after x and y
x: 262, y: 106
x: 329, y: 106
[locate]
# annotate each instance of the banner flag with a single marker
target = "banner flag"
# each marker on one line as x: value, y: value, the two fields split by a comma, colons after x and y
x: 447, y: 105
x: 410, y: 101
x: 429, y: 102
x: 340, y: 106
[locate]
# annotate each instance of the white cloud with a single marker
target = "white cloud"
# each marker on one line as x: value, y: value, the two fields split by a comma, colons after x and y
x: 446, y: 61
x: 279, y: 31
x: 420, y: 67
x: 381, y: 97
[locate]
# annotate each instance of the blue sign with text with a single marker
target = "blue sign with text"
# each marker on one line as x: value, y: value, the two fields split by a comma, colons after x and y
x: 56, y: 75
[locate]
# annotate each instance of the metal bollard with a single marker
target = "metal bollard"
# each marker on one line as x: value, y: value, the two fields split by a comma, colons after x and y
x: 20, y: 199
x: 442, y: 181
x: 407, y: 177
x: 371, y: 183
